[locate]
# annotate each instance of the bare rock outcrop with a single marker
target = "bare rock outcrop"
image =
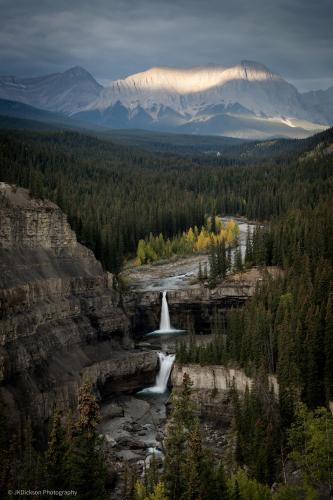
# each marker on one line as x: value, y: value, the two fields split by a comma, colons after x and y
x: 60, y: 320
x: 216, y: 378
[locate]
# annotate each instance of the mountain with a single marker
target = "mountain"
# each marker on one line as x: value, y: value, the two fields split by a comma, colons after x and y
x: 14, y: 114
x: 67, y: 92
x: 245, y: 101
x: 251, y: 86
x: 14, y: 109
x: 320, y: 102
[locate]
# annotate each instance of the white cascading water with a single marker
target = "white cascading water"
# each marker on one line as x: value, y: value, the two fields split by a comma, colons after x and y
x: 166, y: 361
x: 165, y: 325
x: 162, y: 378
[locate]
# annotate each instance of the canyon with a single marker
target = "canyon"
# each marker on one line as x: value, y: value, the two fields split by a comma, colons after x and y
x: 61, y: 321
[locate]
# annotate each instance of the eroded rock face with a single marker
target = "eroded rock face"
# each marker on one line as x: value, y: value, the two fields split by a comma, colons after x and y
x: 194, y: 308
x: 216, y: 378
x: 60, y: 320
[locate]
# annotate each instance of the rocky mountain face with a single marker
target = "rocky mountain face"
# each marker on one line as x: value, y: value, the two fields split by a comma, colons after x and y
x: 188, y: 92
x: 61, y: 323
x: 67, y: 92
x: 246, y: 101
x: 320, y: 102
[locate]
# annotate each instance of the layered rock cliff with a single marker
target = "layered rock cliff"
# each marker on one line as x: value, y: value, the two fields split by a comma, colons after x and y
x: 193, y: 308
x: 216, y: 378
x: 60, y: 319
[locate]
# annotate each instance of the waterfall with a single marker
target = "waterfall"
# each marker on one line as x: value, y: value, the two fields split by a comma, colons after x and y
x: 165, y: 325
x: 162, y: 378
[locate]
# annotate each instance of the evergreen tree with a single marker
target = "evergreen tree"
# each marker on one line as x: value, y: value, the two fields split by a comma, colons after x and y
x: 249, y: 248
x: 200, y: 274
x: 5, y: 452
x: 311, y: 441
x: 287, y: 370
x: 329, y: 351
x: 32, y: 472
x: 56, y: 455
x: 175, y: 449
x: 193, y: 465
x: 238, y: 266
x: 86, y: 461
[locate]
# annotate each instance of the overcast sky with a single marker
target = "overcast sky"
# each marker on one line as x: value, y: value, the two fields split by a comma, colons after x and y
x: 115, y: 38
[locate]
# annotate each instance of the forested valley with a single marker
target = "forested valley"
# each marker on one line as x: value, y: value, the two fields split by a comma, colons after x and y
x: 115, y: 197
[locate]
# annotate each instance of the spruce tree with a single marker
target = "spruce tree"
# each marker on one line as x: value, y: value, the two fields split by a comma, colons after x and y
x: 56, y: 455
x: 328, y: 376
x: 181, y: 422
x: 5, y: 452
x: 238, y: 266
x: 193, y: 465
x: 87, y: 464
x: 200, y: 274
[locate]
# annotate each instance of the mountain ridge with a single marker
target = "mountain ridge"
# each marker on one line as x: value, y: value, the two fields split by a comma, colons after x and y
x: 246, y: 100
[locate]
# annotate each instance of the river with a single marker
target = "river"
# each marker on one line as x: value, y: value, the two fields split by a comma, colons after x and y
x: 178, y: 273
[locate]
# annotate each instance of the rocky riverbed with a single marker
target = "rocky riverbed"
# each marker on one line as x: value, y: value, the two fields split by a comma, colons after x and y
x: 133, y: 428
x: 177, y: 273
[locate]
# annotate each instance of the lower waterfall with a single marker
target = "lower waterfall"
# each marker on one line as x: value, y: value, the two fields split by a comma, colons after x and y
x: 162, y: 378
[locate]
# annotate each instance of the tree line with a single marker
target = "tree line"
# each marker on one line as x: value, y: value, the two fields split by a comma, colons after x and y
x: 212, y: 235
x: 115, y: 196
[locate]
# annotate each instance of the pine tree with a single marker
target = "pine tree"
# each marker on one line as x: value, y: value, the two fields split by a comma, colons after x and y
x: 314, y: 387
x: 56, y: 456
x: 249, y: 248
x: 329, y: 351
x: 86, y: 463
x: 311, y: 442
x: 220, y: 484
x: 205, y: 272
x: 235, y: 493
x: 32, y: 467
x: 193, y: 465
x: 177, y: 433
x: 238, y: 266
x: 5, y: 451
x: 200, y: 274
x: 287, y: 370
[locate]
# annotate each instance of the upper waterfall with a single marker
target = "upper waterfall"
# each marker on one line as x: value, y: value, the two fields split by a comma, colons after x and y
x: 165, y: 325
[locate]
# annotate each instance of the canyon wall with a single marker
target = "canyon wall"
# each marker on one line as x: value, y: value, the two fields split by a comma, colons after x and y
x: 216, y: 378
x: 60, y: 320
x: 195, y: 307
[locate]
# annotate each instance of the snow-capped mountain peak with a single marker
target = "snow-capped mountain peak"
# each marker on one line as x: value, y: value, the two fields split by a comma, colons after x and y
x: 188, y: 91
x: 244, y: 100
x: 192, y: 80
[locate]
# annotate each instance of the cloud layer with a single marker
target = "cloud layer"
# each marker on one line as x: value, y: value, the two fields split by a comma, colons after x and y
x: 113, y: 39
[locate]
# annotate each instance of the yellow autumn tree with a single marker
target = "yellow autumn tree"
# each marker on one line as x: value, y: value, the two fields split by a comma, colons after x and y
x: 203, y: 240
x: 190, y: 236
x: 222, y: 234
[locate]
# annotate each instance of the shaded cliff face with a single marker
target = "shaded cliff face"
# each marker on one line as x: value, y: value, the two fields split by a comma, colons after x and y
x: 60, y: 320
x: 195, y: 308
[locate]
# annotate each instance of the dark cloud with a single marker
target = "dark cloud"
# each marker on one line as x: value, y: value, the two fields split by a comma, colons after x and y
x: 114, y: 38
